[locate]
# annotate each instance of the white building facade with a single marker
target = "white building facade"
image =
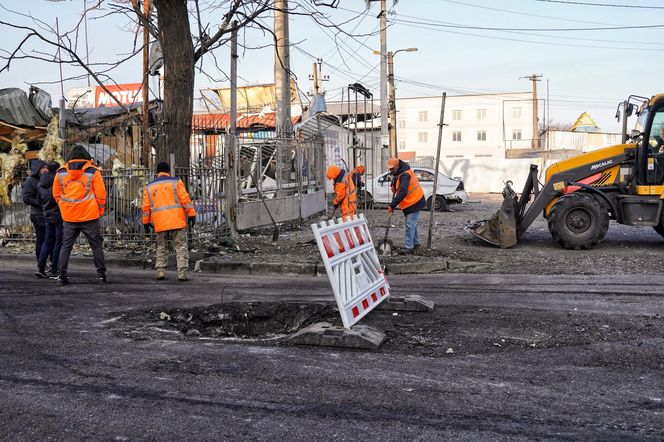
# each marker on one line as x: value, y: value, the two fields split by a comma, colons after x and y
x: 479, y: 129
x: 478, y: 126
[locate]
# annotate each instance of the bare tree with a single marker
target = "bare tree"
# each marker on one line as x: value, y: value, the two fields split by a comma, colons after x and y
x: 184, y: 37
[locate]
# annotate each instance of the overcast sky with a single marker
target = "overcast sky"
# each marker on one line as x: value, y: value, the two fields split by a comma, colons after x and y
x: 587, y: 70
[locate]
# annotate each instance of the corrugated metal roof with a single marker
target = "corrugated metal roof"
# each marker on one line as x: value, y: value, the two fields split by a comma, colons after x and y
x: 244, y: 121
x: 17, y: 109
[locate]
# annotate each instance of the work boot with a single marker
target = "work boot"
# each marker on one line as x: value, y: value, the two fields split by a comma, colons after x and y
x: 182, y: 274
x: 101, y: 278
x: 160, y: 274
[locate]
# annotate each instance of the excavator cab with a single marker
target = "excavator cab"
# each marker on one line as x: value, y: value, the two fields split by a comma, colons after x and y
x: 581, y: 194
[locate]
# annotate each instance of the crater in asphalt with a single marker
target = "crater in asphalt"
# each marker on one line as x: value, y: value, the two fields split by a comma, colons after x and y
x: 607, y: 339
x: 243, y: 320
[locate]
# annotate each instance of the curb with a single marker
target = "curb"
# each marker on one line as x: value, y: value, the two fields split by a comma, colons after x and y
x: 258, y: 268
x: 77, y: 259
x: 201, y: 263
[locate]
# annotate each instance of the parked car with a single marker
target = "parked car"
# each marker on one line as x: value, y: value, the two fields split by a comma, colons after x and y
x: 450, y: 191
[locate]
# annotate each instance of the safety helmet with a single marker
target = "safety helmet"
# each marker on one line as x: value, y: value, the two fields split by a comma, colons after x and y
x: 360, y: 169
x: 333, y: 172
x: 392, y: 162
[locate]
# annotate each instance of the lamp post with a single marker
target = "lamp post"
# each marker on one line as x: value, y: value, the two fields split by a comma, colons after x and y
x: 392, y: 104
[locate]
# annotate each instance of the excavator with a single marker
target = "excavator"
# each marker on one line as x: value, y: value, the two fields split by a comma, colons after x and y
x: 581, y: 194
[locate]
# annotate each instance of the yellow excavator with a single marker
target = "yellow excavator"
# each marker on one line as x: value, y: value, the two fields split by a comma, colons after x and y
x: 581, y: 194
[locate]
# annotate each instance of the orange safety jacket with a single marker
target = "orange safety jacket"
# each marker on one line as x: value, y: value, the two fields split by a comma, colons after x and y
x: 166, y: 204
x: 79, y: 191
x: 414, y: 192
x: 345, y: 194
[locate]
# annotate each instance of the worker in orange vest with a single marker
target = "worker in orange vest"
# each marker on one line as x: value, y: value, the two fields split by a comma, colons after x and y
x: 409, y: 196
x: 357, y: 173
x: 79, y: 190
x: 168, y: 208
x: 344, y: 189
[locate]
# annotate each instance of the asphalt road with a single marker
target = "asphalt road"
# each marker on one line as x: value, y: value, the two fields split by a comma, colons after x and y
x: 66, y: 373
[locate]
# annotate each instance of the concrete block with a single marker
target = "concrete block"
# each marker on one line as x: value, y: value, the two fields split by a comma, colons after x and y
x: 410, y: 303
x: 225, y: 267
x: 326, y: 334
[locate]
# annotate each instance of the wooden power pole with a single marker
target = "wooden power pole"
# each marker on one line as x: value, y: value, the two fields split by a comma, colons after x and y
x: 283, y: 98
x: 536, y: 139
x: 145, y: 157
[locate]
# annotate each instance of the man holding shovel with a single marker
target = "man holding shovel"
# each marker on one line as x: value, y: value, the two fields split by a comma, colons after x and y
x: 409, y: 196
x: 168, y: 208
x: 344, y: 189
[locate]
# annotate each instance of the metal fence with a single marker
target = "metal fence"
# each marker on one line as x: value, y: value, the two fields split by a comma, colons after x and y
x: 122, y: 220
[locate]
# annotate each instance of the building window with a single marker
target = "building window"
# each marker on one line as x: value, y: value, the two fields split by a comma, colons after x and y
x: 456, y: 115
x: 481, y: 114
x: 423, y: 116
x: 516, y: 134
x: 456, y: 135
x: 422, y: 137
x: 516, y: 112
x: 481, y: 135
x: 401, y: 124
x: 402, y: 145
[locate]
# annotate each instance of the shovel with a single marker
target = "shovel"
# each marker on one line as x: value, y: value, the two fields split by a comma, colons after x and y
x: 385, y: 246
x: 331, y: 217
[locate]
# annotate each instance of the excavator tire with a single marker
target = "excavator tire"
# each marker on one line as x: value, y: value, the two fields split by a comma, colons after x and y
x: 578, y: 221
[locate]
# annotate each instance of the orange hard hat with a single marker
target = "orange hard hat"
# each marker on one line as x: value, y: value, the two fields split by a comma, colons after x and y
x: 333, y: 172
x: 360, y: 168
x: 392, y: 162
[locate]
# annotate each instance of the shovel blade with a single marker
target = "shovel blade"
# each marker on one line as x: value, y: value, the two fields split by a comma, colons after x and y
x: 385, y: 247
x: 501, y: 228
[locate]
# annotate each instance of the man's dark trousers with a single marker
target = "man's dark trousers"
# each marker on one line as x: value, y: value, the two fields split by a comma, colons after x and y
x: 92, y: 233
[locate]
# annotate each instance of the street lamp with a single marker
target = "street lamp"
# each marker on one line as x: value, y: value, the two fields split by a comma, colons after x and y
x: 391, y: 104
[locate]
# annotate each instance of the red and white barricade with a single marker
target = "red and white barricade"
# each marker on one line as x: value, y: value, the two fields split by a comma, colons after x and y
x: 352, y: 266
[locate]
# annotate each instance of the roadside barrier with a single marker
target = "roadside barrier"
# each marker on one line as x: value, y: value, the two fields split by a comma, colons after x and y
x: 352, y: 266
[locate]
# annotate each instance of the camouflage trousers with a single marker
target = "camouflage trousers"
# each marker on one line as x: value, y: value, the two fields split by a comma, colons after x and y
x: 179, y: 238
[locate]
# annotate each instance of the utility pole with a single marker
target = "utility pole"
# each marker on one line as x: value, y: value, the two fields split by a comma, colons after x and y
x: 432, y: 210
x: 146, y: 115
x: 282, y: 86
x: 232, y: 189
x: 384, y: 128
x: 536, y: 141
x: 392, y: 105
x: 318, y: 78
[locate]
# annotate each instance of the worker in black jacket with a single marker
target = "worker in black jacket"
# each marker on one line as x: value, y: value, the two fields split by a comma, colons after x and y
x: 30, y: 187
x: 53, y: 222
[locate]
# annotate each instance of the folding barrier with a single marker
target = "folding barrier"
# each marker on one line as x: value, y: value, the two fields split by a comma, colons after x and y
x: 352, y: 266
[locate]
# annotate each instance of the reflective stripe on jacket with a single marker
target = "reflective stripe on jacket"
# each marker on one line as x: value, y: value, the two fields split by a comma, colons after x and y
x: 414, y: 193
x: 166, y: 204
x: 79, y: 191
x: 346, y: 195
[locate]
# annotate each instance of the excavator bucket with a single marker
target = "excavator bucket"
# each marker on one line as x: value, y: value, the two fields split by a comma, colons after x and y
x: 500, y: 229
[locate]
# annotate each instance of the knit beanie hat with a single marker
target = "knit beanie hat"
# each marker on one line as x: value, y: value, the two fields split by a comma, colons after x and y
x: 78, y: 152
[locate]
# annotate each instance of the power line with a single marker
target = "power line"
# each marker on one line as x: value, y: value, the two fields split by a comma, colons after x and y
x: 509, y: 11
x: 547, y: 43
x: 604, y: 5
x: 490, y: 28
